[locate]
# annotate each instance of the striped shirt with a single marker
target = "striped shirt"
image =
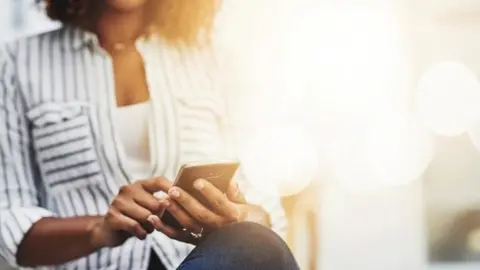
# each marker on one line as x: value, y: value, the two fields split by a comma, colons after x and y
x: 59, y: 150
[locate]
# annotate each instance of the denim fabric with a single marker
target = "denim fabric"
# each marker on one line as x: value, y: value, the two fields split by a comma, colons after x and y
x: 241, y: 246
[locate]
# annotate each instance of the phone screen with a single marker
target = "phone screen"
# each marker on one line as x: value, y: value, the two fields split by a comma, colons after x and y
x: 220, y: 174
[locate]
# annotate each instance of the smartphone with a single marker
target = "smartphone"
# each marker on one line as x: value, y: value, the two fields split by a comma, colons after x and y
x: 219, y: 173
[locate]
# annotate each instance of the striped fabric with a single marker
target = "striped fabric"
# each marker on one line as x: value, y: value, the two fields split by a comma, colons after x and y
x: 59, y: 154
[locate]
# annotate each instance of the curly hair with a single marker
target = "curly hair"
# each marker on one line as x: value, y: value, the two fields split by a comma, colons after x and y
x: 187, y: 22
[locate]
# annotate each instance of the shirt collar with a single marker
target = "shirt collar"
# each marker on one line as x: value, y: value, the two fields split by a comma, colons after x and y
x: 77, y: 38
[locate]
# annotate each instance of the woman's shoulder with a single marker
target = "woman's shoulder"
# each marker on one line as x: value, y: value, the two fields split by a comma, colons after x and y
x: 32, y: 44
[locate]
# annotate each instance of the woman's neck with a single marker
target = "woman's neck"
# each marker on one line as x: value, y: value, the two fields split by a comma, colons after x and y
x: 115, y: 27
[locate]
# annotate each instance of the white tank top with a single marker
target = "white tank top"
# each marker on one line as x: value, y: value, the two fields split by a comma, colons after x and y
x: 132, y: 125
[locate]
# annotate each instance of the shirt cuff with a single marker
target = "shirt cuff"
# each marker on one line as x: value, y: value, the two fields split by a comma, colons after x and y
x: 272, y: 205
x: 278, y: 220
x: 14, y: 224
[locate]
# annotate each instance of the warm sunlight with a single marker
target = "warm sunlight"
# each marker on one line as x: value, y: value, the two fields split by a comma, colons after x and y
x: 283, y: 160
x: 447, y: 98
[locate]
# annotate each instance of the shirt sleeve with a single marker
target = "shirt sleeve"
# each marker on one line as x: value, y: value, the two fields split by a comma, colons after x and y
x: 271, y: 204
x: 19, y: 204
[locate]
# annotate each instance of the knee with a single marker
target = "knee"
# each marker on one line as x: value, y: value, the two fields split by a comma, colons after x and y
x: 250, y: 246
x: 248, y: 235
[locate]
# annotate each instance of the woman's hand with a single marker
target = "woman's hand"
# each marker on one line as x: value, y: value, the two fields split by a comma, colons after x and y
x: 134, y: 211
x: 221, y: 210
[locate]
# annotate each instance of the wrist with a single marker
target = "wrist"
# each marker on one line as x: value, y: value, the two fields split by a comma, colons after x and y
x: 97, y: 232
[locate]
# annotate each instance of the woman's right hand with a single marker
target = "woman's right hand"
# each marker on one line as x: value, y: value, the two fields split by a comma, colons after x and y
x: 134, y: 211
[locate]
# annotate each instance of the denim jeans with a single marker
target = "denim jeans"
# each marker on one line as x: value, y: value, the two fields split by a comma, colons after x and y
x: 241, y: 246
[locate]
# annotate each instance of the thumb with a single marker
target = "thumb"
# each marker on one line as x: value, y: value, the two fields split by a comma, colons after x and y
x: 234, y: 194
x: 156, y: 184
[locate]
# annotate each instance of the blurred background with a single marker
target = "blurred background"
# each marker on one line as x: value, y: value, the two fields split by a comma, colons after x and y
x: 375, y: 107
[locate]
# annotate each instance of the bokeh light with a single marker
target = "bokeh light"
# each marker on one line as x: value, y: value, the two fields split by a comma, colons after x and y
x: 359, y: 67
x: 392, y: 150
x: 447, y: 98
x: 283, y: 160
x: 399, y: 149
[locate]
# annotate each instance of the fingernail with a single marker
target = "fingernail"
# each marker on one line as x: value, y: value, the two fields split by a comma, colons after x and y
x: 199, y: 184
x: 166, y: 203
x: 174, y: 193
x: 153, y: 219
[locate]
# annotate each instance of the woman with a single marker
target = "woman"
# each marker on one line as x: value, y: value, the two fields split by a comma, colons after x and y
x: 125, y: 90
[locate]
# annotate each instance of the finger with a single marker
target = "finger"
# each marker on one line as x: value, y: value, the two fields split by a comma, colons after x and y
x: 147, y: 201
x: 154, y: 218
x: 163, y: 206
x: 196, y: 210
x: 147, y: 225
x: 183, y: 217
x: 172, y: 233
x: 156, y: 184
x: 120, y: 222
x: 218, y: 202
x: 131, y: 209
x: 234, y: 194
x: 232, y: 190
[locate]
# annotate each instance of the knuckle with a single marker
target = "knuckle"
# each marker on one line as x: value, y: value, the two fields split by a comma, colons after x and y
x: 118, y: 203
x: 111, y: 215
x: 154, y: 207
x: 190, y: 225
x: 233, y: 217
x: 140, y: 183
x: 158, y: 182
x: 125, y: 189
x: 217, y: 203
x: 162, y: 179
x: 156, y: 204
x: 136, y: 227
x: 115, y: 203
x: 203, y: 217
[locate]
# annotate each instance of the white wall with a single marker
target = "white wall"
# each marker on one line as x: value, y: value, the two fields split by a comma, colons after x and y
x: 376, y: 231
x: 34, y: 20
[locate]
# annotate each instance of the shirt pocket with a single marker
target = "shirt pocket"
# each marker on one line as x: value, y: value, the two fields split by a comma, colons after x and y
x: 64, y: 144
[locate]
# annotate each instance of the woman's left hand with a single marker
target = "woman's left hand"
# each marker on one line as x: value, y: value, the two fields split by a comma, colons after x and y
x: 222, y: 209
